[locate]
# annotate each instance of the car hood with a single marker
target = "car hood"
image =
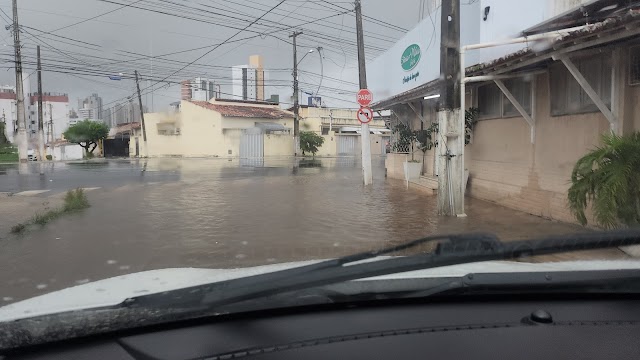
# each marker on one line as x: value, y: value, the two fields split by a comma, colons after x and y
x: 113, y: 291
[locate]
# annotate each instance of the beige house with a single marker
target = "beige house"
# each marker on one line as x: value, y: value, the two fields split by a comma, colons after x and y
x: 549, y: 107
x: 218, y: 128
x: 341, y: 130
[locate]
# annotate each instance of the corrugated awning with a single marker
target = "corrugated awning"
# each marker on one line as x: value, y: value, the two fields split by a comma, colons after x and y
x: 588, y: 13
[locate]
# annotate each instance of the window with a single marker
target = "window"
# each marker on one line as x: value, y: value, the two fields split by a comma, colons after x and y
x: 634, y: 65
x: 325, y: 131
x: 489, y: 101
x: 521, y: 90
x: 492, y: 103
x: 568, y: 97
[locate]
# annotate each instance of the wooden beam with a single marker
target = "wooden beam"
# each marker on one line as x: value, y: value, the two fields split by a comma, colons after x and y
x: 590, y: 92
x: 515, y: 103
x: 417, y: 113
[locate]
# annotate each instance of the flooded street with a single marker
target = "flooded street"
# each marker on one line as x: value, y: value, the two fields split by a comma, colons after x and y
x: 223, y: 214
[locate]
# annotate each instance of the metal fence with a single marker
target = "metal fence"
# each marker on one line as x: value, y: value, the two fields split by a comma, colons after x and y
x: 398, y: 142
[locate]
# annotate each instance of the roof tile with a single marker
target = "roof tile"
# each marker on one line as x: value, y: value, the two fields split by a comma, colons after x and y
x: 245, y: 111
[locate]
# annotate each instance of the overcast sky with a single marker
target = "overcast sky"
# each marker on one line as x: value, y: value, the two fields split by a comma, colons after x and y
x: 93, y: 49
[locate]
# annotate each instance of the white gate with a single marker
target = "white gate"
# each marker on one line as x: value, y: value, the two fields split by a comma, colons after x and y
x: 252, y: 144
x: 347, y: 145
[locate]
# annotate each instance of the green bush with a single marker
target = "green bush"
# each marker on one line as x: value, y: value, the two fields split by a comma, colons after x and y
x: 608, y: 179
x: 44, y: 218
x: 310, y: 142
x: 75, y: 200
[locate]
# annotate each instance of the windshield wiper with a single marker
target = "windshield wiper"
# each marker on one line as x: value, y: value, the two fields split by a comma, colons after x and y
x: 451, y: 250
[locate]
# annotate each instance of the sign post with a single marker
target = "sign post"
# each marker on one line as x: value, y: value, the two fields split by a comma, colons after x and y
x: 365, y: 115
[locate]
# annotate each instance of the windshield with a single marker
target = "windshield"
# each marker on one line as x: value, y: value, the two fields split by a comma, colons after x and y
x: 148, y: 146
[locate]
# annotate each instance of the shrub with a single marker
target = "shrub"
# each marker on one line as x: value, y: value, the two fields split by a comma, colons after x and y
x: 310, y: 142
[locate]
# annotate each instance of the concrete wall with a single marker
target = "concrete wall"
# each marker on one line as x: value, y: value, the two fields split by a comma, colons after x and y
x: 328, y: 148
x: 67, y: 152
x: 506, y: 168
x: 278, y: 145
x: 394, y: 165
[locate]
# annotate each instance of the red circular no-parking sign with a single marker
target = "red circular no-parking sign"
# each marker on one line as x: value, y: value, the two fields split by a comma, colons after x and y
x: 365, y: 115
x: 364, y: 97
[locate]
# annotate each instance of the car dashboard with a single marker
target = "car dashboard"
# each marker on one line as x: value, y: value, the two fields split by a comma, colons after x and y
x: 496, y: 327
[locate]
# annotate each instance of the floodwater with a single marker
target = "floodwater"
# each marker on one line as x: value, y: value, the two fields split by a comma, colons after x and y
x: 224, y: 214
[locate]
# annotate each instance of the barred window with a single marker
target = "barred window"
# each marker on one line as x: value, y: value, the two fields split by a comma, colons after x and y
x: 492, y: 103
x: 489, y: 101
x: 568, y: 97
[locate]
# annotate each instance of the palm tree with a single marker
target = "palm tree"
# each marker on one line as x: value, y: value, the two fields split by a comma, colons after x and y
x: 609, y: 178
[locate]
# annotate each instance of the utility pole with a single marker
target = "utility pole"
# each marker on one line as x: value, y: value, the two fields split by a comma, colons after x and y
x: 144, y: 130
x: 41, y: 153
x: 21, y: 137
x: 296, y: 97
x: 50, y: 136
x: 365, y: 138
x: 451, y: 181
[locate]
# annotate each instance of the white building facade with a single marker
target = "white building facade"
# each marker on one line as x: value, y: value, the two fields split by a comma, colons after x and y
x: 55, y: 109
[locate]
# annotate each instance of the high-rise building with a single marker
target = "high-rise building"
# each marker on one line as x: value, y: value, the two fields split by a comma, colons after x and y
x: 255, y: 61
x: 248, y: 80
x: 93, y: 102
x: 108, y: 117
x: 199, y: 89
x: 86, y: 113
x: 55, y: 115
x: 126, y: 113
x: 8, y: 111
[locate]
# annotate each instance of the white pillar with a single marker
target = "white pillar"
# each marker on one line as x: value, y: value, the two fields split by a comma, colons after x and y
x: 367, y: 171
x: 451, y: 178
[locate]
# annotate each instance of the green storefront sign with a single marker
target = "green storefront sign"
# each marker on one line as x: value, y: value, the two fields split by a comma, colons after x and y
x: 411, y: 57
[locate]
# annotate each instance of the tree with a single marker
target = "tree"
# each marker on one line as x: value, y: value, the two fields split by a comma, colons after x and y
x: 87, y: 133
x: 310, y: 142
x: 3, y: 137
x: 608, y: 178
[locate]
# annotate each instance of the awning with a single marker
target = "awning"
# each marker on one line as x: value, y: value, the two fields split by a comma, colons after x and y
x: 592, y: 11
x: 269, y: 126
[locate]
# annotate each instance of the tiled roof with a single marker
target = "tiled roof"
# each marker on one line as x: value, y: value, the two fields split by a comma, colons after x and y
x: 245, y: 111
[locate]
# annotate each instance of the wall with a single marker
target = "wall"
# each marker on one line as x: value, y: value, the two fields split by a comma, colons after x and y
x: 313, y: 119
x: 67, y: 152
x: 394, y: 165
x: 328, y: 148
x: 507, y: 169
x: 278, y: 145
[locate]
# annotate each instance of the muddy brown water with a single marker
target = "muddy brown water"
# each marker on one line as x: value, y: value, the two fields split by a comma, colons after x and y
x: 224, y: 214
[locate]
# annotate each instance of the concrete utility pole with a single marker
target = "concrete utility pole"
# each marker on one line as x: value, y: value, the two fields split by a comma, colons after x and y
x: 296, y: 96
x: 50, y: 136
x: 144, y: 129
x: 451, y: 181
x: 365, y: 138
x: 21, y: 137
x: 41, y: 152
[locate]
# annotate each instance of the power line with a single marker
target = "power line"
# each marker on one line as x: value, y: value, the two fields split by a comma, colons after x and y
x: 95, y: 17
x: 379, y: 22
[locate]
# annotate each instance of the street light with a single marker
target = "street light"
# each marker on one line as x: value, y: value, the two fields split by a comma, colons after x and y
x: 305, y: 55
